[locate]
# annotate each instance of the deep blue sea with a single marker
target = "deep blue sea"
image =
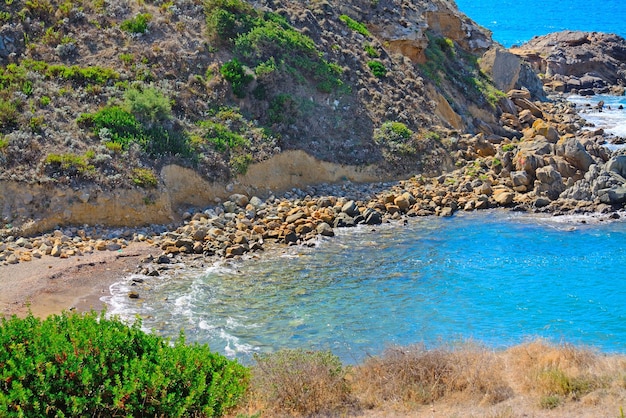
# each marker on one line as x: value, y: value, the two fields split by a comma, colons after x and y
x: 514, y: 22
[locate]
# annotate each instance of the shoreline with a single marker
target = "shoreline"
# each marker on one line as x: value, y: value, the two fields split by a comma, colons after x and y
x: 55, y: 271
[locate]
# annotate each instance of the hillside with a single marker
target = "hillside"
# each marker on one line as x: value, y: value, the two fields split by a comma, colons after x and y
x: 100, y: 96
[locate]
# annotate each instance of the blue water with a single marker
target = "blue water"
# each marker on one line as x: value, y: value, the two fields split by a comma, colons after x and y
x: 495, y: 277
x: 514, y: 22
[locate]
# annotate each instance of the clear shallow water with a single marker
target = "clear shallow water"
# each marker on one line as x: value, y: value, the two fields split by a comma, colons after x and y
x: 494, y: 277
x: 514, y: 22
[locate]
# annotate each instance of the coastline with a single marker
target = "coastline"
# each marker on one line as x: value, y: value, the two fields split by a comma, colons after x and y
x: 51, y: 285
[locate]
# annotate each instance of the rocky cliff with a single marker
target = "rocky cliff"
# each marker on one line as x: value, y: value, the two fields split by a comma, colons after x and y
x: 583, y: 62
x: 97, y: 98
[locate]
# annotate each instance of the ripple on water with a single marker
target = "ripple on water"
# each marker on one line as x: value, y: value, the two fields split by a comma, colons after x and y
x: 495, y: 277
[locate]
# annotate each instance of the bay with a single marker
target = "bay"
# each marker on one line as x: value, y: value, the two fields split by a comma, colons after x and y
x: 495, y: 277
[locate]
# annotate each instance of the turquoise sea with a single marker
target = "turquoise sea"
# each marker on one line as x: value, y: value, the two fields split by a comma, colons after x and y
x: 495, y: 277
x: 514, y: 22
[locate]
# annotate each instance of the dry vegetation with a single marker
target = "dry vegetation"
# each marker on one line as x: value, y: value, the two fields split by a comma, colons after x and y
x: 536, y: 379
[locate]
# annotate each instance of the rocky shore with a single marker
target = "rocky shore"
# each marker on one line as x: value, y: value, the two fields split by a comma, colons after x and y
x: 549, y: 163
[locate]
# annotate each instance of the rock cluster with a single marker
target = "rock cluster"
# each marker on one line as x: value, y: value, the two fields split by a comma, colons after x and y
x: 586, y: 63
x: 544, y: 162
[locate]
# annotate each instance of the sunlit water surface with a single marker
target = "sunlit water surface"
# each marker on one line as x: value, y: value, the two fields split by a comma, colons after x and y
x: 496, y: 277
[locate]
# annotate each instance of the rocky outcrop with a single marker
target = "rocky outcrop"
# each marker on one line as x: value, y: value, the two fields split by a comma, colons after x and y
x: 582, y: 62
x: 508, y: 72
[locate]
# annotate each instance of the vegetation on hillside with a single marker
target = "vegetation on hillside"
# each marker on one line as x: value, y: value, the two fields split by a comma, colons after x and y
x: 93, y: 90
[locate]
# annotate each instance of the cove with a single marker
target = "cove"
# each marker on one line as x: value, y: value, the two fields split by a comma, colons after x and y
x: 495, y: 277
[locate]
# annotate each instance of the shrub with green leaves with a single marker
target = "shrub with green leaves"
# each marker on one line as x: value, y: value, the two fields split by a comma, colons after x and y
x: 259, y: 37
x: 354, y: 25
x: 377, y: 68
x: 122, y: 125
x: 396, y: 136
x: 148, y: 105
x: 69, y: 164
x: 144, y: 177
x: 221, y: 137
x: 234, y: 72
x: 138, y: 24
x: 88, y: 365
x: 9, y: 112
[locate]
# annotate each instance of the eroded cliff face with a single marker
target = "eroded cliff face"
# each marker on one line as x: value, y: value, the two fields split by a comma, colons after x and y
x: 37, y: 208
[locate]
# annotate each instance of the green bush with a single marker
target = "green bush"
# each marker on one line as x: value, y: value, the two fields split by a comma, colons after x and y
x: 122, y: 125
x: 138, y: 24
x: 144, y: 177
x: 226, y: 19
x: 234, y: 72
x: 9, y: 113
x: 260, y: 37
x: 221, y: 137
x: 88, y: 365
x: 396, y: 136
x: 354, y: 25
x: 378, y: 69
x: 69, y: 164
x: 371, y: 51
x: 148, y: 105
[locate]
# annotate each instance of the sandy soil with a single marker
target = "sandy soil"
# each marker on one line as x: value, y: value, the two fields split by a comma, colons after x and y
x: 50, y: 285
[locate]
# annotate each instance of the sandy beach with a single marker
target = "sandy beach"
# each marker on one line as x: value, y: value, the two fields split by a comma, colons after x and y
x: 51, y: 285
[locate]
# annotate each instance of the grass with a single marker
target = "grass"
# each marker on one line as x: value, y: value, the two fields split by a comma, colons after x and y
x: 468, y: 379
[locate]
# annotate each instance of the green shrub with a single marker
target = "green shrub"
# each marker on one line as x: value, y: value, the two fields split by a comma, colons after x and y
x: 44, y: 101
x: 234, y: 72
x: 69, y: 163
x: 138, y: 24
x: 354, y: 25
x: 4, y: 142
x: 241, y: 162
x: 226, y: 19
x: 396, y: 136
x: 88, y: 365
x: 377, y: 68
x: 148, y: 105
x: 371, y: 51
x: 122, y: 125
x: 260, y: 37
x: 144, y: 177
x: 9, y: 113
x: 221, y: 137
x: 508, y: 147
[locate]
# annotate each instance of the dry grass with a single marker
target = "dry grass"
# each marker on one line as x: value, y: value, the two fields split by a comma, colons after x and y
x: 535, y: 379
x: 404, y: 377
x: 299, y: 383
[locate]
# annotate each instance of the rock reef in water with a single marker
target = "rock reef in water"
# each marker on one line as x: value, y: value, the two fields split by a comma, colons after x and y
x: 586, y: 63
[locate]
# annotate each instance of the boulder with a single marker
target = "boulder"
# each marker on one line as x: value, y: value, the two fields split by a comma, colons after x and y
x: 546, y: 130
x: 350, y: 208
x: 325, y: 230
x: 574, y: 153
x: 617, y: 165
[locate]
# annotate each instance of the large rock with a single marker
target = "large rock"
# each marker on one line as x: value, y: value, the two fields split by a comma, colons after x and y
x: 617, y: 165
x: 508, y: 71
x: 574, y: 153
